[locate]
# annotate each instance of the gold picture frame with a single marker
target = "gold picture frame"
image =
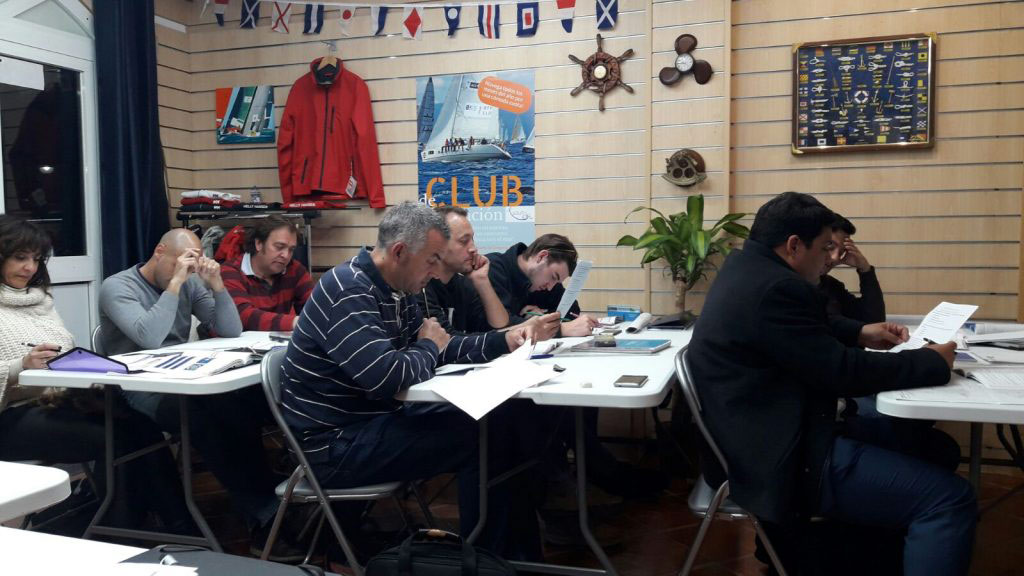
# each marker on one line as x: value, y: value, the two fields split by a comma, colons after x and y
x: 873, y: 93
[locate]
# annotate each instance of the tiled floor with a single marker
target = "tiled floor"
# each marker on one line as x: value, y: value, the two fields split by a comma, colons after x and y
x: 657, y: 533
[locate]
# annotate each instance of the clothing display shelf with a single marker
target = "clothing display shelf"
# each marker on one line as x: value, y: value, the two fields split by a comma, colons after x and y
x: 307, y: 218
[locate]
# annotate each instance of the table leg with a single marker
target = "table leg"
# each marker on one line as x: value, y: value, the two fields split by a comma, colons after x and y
x: 974, y: 472
x: 581, y: 495
x: 186, y: 476
x: 108, y: 461
x: 482, y: 449
x: 309, y: 243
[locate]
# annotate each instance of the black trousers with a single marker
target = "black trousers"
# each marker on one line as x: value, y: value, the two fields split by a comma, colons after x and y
x: 65, y: 435
x: 227, y: 431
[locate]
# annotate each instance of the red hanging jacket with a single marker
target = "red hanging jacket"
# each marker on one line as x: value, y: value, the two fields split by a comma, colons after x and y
x: 327, y: 137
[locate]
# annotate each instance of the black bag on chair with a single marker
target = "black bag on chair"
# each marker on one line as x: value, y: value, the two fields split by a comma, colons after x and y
x: 437, y: 553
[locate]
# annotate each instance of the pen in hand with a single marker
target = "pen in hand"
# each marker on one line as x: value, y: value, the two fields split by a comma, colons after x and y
x: 31, y: 345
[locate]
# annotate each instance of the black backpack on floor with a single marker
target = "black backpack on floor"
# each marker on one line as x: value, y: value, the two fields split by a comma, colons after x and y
x: 437, y: 553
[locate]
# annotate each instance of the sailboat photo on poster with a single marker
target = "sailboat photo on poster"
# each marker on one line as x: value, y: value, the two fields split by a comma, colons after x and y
x: 471, y: 133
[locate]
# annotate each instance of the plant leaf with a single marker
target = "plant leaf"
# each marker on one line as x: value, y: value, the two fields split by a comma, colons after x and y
x: 738, y: 230
x: 639, y: 208
x: 659, y: 224
x: 695, y: 210
x: 627, y: 240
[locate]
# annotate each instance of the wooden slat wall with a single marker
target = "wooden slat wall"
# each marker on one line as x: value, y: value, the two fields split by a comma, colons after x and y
x: 591, y: 169
x: 939, y: 224
x: 689, y: 115
x: 174, y: 88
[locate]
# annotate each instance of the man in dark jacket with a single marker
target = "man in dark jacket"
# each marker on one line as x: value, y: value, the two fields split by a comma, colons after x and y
x: 528, y: 280
x: 870, y: 306
x: 769, y: 365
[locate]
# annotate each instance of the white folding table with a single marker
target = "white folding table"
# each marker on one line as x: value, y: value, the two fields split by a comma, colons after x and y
x: 587, y: 382
x: 975, y: 413
x: 26, y: 488
x: 111, y: 383
x: 40, y: 554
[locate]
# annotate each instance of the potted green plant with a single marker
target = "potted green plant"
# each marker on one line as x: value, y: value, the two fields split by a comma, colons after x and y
x: 681, y: 240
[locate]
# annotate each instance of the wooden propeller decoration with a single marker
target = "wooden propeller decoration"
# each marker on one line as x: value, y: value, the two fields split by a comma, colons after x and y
x: 685, y: 63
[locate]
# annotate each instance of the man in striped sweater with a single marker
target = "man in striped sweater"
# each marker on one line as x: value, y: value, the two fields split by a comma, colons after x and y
x: 268, y: 286
x: 360, y: 340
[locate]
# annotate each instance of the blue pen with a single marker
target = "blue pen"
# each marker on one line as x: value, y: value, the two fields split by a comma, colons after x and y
x: 541, y: 356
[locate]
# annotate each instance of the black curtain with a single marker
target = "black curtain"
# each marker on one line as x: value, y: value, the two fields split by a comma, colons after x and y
x: 133, y: 198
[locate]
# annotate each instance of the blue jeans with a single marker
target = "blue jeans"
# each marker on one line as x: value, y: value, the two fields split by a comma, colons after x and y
x: 423, y: 440
x: 868, y: 485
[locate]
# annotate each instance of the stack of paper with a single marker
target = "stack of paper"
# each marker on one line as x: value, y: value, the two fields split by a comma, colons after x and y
x: 185, y: 364
x: 484, y: 389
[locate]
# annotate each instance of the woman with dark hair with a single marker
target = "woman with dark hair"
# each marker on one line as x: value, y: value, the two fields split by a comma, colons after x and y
x: 67, y: 427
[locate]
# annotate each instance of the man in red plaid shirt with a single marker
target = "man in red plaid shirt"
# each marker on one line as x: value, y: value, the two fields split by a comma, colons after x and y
x: 268, y: 286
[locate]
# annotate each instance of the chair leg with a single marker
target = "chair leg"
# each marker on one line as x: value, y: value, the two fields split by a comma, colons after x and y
x: 350, y: 555
x: 705, y: 525
x: 424, y: 507
x: 279, y: 517
x: 768, y: 546
x: 316, y: 537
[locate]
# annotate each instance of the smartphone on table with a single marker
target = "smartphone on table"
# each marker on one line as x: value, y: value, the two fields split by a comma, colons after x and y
x: 630, y: 381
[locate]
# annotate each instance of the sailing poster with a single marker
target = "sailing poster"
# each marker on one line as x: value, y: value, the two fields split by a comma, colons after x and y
x: 245, y: 114
x: 475, y: 145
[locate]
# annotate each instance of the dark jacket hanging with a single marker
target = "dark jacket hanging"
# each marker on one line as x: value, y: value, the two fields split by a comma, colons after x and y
x: 133, y: 196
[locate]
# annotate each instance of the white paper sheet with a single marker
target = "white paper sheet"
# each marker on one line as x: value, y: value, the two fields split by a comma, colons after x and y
x: 996, y: 337
x: 940, y: 325
x: 576, y: 282
x: 483, y: 390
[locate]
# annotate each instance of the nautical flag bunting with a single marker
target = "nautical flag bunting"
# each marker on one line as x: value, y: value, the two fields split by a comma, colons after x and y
x: 314, y: 18
x: 378, y: 17
x: 219, y: 8
x: 250, y: 13
x: 280, y: 17
x: 607, y: 14
x: 488, y: 20
x: 412, y: 22
x: 564, y: 9
x: 526, y: 18
x: 452, y: 13
x: 345, y: 17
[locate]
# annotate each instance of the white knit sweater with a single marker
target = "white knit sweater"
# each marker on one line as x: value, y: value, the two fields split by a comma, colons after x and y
x: 26, y: 316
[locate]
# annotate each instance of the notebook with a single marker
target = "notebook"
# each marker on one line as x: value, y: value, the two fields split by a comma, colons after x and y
x: 623, y: 346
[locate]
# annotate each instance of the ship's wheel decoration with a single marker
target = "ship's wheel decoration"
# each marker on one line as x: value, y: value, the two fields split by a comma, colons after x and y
x: 686, y: 63
x: 602, y: 73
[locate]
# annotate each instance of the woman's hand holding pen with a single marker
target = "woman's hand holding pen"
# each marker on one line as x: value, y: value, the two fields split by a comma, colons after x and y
x: 37, y: 357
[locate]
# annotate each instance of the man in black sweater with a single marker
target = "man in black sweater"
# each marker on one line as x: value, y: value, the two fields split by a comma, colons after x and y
x: 915, y: 437
x: 769, y: 365
x: 870, y: 306
x: 461, y: 298
x: 528, y: 279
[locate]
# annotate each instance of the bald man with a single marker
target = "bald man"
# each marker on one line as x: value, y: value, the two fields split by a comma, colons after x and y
x: 151, y: 305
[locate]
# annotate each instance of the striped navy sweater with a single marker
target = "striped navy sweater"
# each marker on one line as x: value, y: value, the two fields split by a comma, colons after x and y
x: 354, y: 347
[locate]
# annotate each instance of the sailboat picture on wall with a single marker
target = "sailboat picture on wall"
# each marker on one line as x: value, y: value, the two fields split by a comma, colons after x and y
x: 528, y: 146
x: 425, y: 117
x: 473, y: 126
x: 471, y: 130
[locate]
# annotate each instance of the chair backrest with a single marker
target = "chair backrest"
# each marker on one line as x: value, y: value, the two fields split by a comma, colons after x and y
x: 270, y: 370
x: 686, y: 382
x: 97, y: 345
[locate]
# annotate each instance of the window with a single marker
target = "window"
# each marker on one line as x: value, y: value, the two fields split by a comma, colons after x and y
x: 41, y: 137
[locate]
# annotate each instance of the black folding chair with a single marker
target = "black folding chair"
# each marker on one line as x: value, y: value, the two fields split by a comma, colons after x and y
x: 303, y: 486
x: 705, y: 501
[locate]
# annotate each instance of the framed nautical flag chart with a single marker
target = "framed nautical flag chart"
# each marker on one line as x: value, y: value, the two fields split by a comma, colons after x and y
x: 864, y: 94
x: 475, y: 145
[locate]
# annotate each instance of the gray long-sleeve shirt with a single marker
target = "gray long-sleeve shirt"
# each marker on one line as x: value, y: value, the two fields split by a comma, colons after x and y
x: 136, y: 315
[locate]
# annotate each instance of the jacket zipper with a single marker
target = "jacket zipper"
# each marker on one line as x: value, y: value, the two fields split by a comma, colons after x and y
x: 302, y: 179
x: 332, y: 119
x: 323, y: 150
